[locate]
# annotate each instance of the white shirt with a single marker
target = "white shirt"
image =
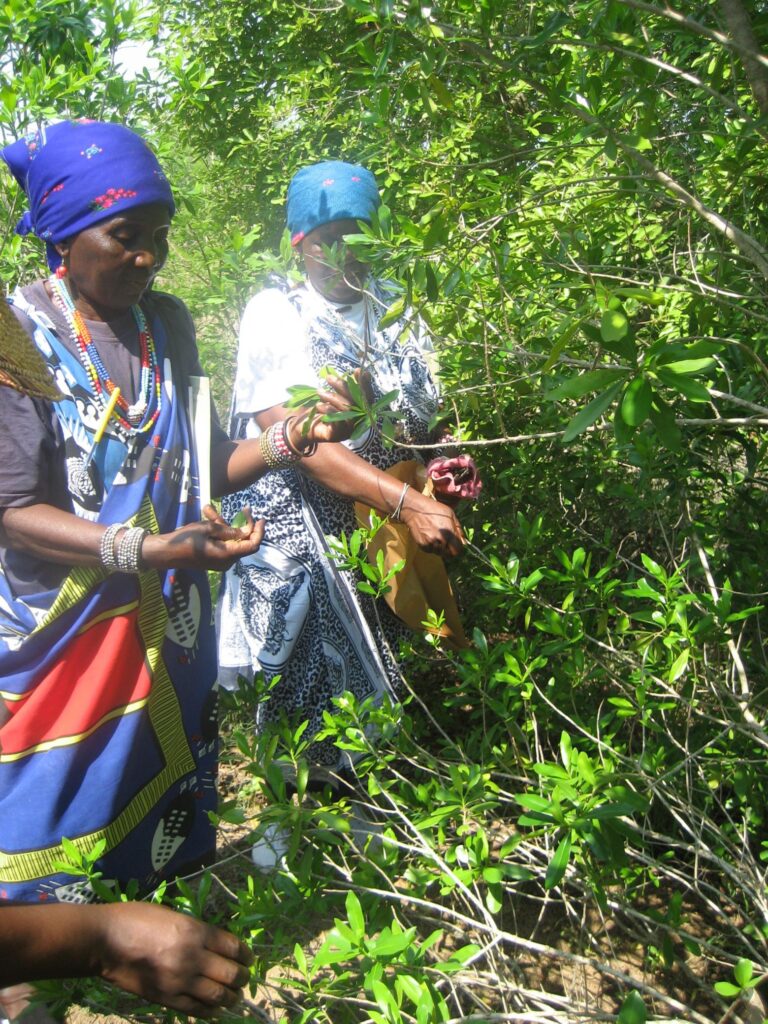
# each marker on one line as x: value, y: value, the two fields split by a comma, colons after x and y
x: 274, y: 351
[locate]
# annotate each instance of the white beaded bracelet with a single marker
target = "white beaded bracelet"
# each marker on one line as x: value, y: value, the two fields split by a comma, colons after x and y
x: 107, y: 555
x: 129, y: 551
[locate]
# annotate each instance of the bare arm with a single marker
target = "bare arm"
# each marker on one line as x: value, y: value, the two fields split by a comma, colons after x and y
x: 433, y: 525
x: 62, y: 537
x: 236, y: 464
x: 158, y: 954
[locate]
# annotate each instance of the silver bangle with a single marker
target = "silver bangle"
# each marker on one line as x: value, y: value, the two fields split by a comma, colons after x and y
x: 395, y: 517
x: 129, y: 551
x: 107, y: 555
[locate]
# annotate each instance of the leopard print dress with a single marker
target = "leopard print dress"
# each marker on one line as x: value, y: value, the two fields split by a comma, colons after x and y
x: 287, y: 610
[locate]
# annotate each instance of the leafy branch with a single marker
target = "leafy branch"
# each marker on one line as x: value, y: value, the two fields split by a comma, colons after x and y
x: 363, y: 413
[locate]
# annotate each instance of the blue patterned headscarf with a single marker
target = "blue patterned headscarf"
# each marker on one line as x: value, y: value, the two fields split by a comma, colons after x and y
x: 76, y: 173
x: 331, y: 190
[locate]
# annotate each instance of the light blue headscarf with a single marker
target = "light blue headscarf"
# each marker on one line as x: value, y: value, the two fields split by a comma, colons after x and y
x: 331, y: 190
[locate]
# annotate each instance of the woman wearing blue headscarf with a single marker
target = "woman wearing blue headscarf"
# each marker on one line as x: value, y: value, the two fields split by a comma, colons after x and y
x: 108, y: 732
x: 286, y: 609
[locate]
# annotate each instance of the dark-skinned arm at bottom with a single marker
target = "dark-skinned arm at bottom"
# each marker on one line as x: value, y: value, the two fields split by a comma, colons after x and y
x: 156, y: 953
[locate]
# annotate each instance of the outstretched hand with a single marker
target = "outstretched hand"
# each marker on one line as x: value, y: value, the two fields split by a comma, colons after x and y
x: 210, y: 544
x: 169, y: 958
x: 309, y: 427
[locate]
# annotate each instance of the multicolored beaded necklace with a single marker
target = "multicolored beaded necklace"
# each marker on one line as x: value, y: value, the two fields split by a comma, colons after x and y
x: 142, y: 415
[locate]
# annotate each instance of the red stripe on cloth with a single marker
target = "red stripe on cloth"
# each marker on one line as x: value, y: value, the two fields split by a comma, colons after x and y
x: 102, y: 670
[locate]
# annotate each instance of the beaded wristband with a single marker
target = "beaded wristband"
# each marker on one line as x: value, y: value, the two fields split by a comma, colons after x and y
x: 395, y: 517
x: 276, y: 451
x: 129, y: 551
x: 107, y: 555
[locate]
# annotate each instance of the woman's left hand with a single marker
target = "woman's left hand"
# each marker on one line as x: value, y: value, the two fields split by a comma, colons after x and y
x: 337, y: 398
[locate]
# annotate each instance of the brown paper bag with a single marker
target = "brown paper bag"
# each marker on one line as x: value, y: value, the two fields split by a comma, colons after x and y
x: 423, y: 582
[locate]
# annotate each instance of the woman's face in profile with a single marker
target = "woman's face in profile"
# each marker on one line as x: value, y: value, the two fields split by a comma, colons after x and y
x: 111, y: 264
x: 337, y: 275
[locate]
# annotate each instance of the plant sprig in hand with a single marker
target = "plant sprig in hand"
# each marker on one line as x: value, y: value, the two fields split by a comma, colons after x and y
x: 364, y: 413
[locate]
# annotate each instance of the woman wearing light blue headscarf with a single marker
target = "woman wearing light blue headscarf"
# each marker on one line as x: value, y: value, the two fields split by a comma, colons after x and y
x: 286, y: 610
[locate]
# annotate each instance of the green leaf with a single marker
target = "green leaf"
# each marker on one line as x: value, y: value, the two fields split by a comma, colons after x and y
x: 385, y: 1000
x: 286, y: 249
x: 551, y: 771
x: 394, y: 313
x: 533, y: 802
x: 636, y: 403
x: 678, y: 666
x: 386, y: 400
x: 663, y: 420
x: 560, y: 344
x: 494, y: 900
x: 632, y: 1010
x: 390, y: 943
x: 587, y: 416
x: 478, y: 638
x: 613, y: 325
x: 433, y: 287
x: 355, y: 915
x: 300, y: 958
x: 459, y: 957
x: 743, y: 972
x: 689, y: 365
x: 691, y: 389
x: 621, y: 430
x: 566, y: 748
x: 409, y: 986
x: 559, y: 862
x: 727, y: 989
x: 613, y: 810
x: 583, y: 384
x: 333, y: 950
x: 233, y: 815
x: 337, y: 416
x: 536, y: 818
x: 383, y: 218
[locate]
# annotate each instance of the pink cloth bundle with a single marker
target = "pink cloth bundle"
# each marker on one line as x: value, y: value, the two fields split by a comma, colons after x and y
x: 456, y: 478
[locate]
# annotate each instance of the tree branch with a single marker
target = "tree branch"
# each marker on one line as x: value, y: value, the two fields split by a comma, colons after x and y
x: 740, y: 28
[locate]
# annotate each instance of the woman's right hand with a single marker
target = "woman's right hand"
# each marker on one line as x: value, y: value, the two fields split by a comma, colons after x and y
x: 170, y: 958
x: 434, y: 526
x: 210, y: 544
x: 337, y: 398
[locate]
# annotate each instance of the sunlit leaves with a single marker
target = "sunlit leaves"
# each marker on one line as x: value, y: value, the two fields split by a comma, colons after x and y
x: 614, y: 325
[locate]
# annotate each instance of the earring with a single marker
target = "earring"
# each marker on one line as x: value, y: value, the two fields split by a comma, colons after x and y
x: 61, y: 271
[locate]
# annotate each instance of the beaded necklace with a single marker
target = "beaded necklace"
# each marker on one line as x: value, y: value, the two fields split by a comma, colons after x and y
x: 142, y: 415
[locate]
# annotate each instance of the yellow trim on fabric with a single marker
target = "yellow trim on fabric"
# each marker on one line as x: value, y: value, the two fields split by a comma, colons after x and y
x: 27, y: 867
x: 4, y: 695
x: 164, y: 715
x: 68, y: 741
x: 111, y: 613
x: 80, y: 582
